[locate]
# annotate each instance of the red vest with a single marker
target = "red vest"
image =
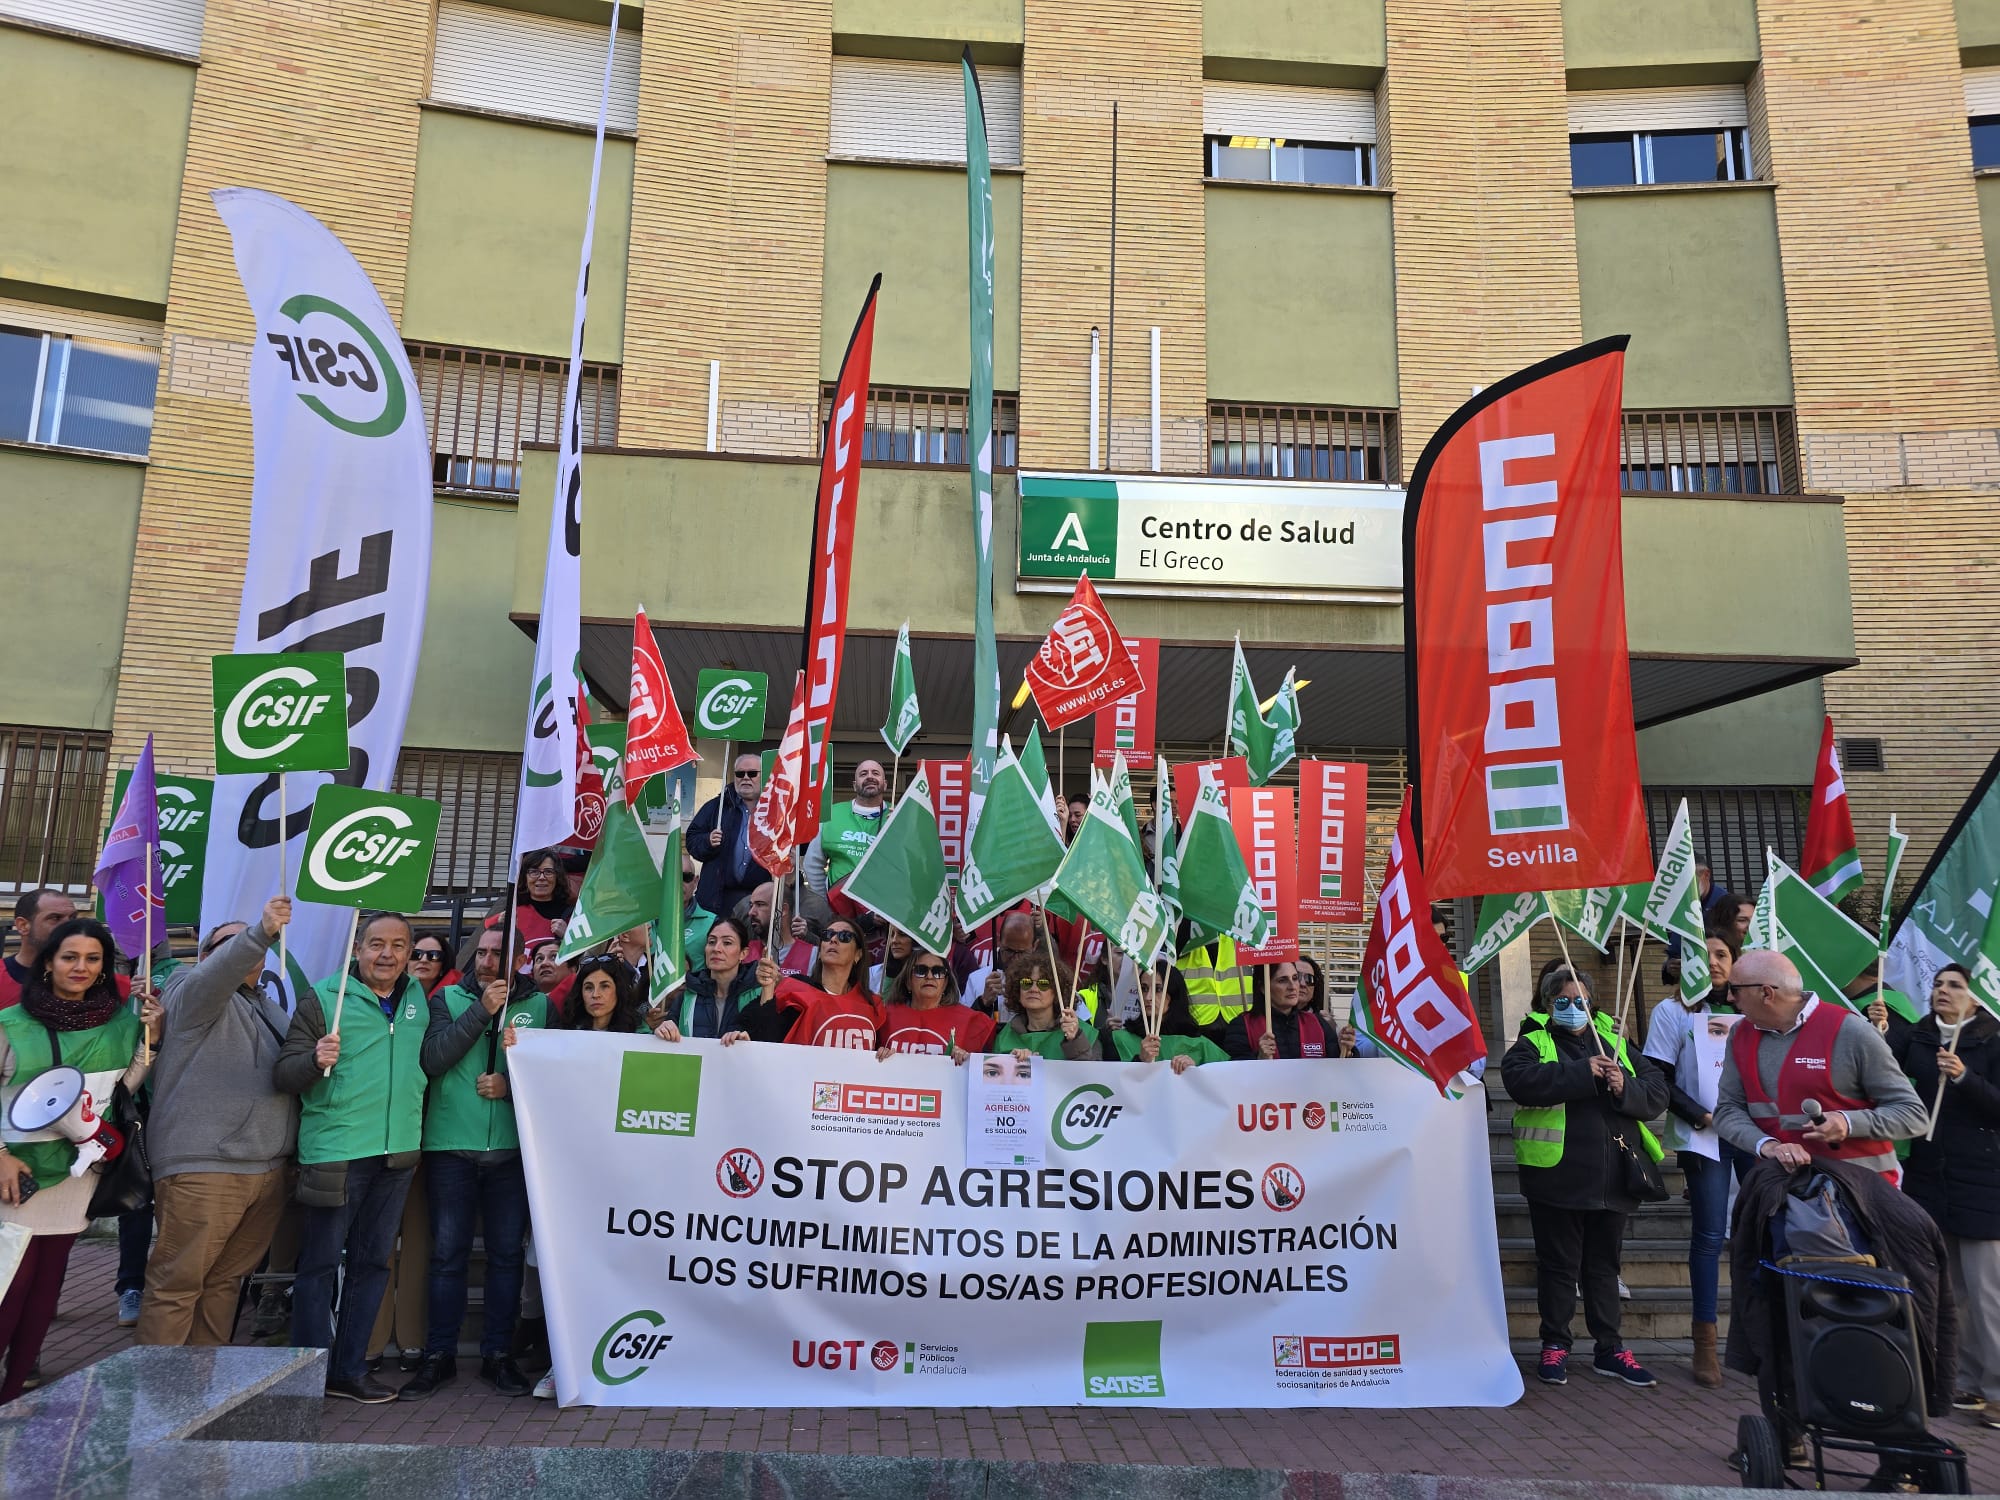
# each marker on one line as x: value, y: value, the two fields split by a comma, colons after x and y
x: 1806, y: 1073
x: 1312, y: 1035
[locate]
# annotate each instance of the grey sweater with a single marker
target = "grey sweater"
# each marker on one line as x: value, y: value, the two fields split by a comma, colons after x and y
x: 214, y: 1109
x: 1862, y: 1067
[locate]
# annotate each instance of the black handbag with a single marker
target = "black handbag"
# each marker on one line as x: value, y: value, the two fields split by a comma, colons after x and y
x: 1642, y: 1175
x: 126, y: 1185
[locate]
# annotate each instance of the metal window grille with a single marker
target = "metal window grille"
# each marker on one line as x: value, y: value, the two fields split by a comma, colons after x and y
x: 482, y: 405
x: 1735, y: 451
x: 476, y: 790
x: 1304, y: 442
x: 1733, y: 826
x: 52, y: 784
x: 906, y: 425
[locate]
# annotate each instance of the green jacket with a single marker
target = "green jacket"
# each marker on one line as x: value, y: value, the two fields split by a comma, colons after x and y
x: 99, y: 1049
x: 844, y: 836
x: 1048, y: 1043
x: 694, y: 937
x: 457, y: 1044
x: 372, y: 1104
x: 1200, y: 1048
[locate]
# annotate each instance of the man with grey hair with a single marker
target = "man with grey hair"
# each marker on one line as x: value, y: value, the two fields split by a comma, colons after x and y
x: 1805, y: 1077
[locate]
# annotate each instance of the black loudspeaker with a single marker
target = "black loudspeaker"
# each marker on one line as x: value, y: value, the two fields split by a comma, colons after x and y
x: 1853, y: 1336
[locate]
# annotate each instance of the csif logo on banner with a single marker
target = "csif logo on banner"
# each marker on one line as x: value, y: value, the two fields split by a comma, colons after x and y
x: 1086, y: 1113
x: 367, y: 848
x: 280, y: 712
x: 729, y: 705
x: 629, y: 1347
x: 343, y: 372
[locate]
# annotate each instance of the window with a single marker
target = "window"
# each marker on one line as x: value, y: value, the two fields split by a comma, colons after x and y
x: 1304, y: 442
x: 171, y: 25
x: 76, y: 393
x: 544, y: 67
x: 1651, y: 156
x: 1746, y: 451
x: 475, y: 790
x: 891, y: 109
x: 1733, y: 826
x: 481, y: 406
x: 51, y: 795
x: 1985, y: 141
x: 1251, y: 158
x: 927, y: 427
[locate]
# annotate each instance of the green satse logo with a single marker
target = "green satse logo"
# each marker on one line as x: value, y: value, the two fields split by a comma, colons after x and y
x: 340, y: 364
x: 1122, y: 1360
x: 730, y: 704
x: 280, y: 712
x: 634, y: 1338
x: 657, y: 1094
x: 1086, y: 1112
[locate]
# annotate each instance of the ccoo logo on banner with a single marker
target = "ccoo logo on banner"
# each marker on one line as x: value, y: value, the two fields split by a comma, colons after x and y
x: 794, y: 1225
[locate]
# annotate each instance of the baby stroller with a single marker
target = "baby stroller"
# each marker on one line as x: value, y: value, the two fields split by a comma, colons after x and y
x: 1844, y: 1373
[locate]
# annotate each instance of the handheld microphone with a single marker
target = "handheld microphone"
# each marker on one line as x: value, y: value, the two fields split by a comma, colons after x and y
x: 1815, y: 1118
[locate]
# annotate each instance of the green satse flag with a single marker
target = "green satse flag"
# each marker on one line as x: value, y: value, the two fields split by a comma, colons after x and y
x: 1891, y: 863
x: 666, y: 948
x: 1035, y: 766
x: 1591, y: 914
x: 1166, y: 854
x: 979, y: 239
x: 621, y: 886
x: 1953, y: 915
x: 902, y: 876
x: 1215, y: 887
x: 905, y: 718
x: 1673, y: 905
x: 1266, y: 744
x: 1104, y: 875
x: 1827, y: 946
x: 1501, y: 920
x: 1013, y: 852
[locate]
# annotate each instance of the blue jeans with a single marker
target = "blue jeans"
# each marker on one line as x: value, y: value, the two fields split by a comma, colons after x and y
x: 497, y: 1193
x: 135, y: 1243
x: 365, y: 1227
x: 1708, y: 1191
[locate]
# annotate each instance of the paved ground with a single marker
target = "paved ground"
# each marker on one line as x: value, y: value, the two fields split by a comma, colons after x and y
x: 1592, y: 1428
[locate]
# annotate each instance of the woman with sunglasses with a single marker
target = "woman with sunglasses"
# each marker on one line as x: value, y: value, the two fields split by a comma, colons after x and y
x: 1293, y: 1032
x: 1037, y: 1023
x: 831, y: 1007
x: 924, y: 1013
x: 1163, y: 991
x: 430, y: 964
x: 710, y: 1004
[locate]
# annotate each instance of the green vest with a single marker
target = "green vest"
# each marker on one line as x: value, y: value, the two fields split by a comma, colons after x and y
x: 372, y: 1104
x: 1538, y: 1129
x: 1217, y: 989
x: 1200, y: 1048
x: 100, y: 1049
x: 457, y: 1119
x: 1047, y: 1044
x: 844, y: 836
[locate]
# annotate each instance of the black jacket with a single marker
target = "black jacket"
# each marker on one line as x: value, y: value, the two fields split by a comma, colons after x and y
x: 1284, y: 1029
x: 1591, y: 1174
x: 1956, y: 1174
x: 1901, y: 1236
x: 722, y: 885
x: 710, y: 1018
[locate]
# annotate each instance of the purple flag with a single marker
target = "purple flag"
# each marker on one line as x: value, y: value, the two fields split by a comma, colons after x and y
x: 125, y: 878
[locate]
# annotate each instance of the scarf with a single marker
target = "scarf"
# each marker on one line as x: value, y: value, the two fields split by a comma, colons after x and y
x: 98, y: 1005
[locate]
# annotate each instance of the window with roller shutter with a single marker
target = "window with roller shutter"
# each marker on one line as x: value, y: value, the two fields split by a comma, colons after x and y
x: 163, y: 25
x: 1640, y: 137
x: 1283, y: 133
x: 894, y: 109
x: 539, y: 67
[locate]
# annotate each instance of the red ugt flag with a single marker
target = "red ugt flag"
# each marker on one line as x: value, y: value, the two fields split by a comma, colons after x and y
x: 1410, y: 1000
x: 1083, y: 664
x: 655, y: 738
x: 1832, y: 862
x: 590, y: 804
x: 1520, y: 687
x: 774, y: 820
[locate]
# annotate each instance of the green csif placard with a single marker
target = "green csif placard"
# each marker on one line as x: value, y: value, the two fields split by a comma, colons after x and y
x: 184, y: 802
x: 280, y: 711
x: 729, y: 705
x: 369, y: 850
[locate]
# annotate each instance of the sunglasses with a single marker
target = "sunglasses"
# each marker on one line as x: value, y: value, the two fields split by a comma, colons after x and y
x: 686, y: 878
x: 929, y: 971
x: 746, y: 775
x: 840, y: 935
x: 1038, y: 984
x: 426, y: 956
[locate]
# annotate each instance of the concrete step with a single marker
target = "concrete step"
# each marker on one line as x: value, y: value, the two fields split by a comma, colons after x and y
x: 1507, y: 1177
x: 1670, y: 1221
x: 1655, y: 1264
x: 1650, y: 1313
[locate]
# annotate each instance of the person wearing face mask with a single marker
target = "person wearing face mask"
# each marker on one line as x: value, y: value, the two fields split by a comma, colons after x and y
x: 1955, y: 1175
x: 923, y: 1013
x: 710, y: 1003
x: 1689, y: 1042
x: 1581, y: 1100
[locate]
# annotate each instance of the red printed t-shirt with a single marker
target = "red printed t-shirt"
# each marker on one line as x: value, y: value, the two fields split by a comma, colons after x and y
x: 911, y: 1030
x: 852, y: 1020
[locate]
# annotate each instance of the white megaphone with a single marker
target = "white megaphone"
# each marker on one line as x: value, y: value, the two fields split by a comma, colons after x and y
x: 57, y: 1099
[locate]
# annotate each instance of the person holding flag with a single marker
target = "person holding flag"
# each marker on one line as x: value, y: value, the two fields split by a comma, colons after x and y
x: 1038, y: 1023
x: 719, y: 840
x: 1581, y: 1101
x: 1164, y: 1029
x: 1294, y: 1032
x: 831, y: 1007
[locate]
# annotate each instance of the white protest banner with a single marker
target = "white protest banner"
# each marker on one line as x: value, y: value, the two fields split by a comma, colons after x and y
x: 794, y: 1226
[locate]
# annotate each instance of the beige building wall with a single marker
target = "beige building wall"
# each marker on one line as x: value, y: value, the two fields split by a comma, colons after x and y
x: 728, y: 226
x: 1079, y: 60
x: 1478, y: 149
x: 1898, y: 389
x: 318, y: 103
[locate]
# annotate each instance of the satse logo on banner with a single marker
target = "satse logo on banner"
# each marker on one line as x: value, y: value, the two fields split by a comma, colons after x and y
x: 658, y: 1093
x: 1122, y: 1359
x: 352, y: 385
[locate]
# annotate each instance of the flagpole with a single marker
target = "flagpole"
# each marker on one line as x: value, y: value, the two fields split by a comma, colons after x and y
x: 145, y: 974
x: 1055, y: 965
x: 1881, y: 963
x: 1618, y: 985
x: 896, y: 777
x: 1269, y: 1030
x: 284, y: 968
x: 1570, y: 964
x: 353, y: 928
x: 1631, y: 980
x: 1938, y: 1102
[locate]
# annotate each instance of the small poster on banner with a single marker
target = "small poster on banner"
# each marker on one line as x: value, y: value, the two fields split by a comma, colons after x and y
x: 1126, y: 727
x: 1003, y: 1111
x: 1333, y: 840
x: 950, y: 784
x: 1262, y: 818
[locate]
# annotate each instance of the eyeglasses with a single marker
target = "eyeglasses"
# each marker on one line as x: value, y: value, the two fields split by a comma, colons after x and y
x: 687, y: 877
x: 929, y: 971
x: 840, y: 935
x: 1038, y: 984
x: 1731, y: 989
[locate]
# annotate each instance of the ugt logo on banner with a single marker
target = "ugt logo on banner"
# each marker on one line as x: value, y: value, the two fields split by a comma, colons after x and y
x: 280, y: 712
x: 368, y: 849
